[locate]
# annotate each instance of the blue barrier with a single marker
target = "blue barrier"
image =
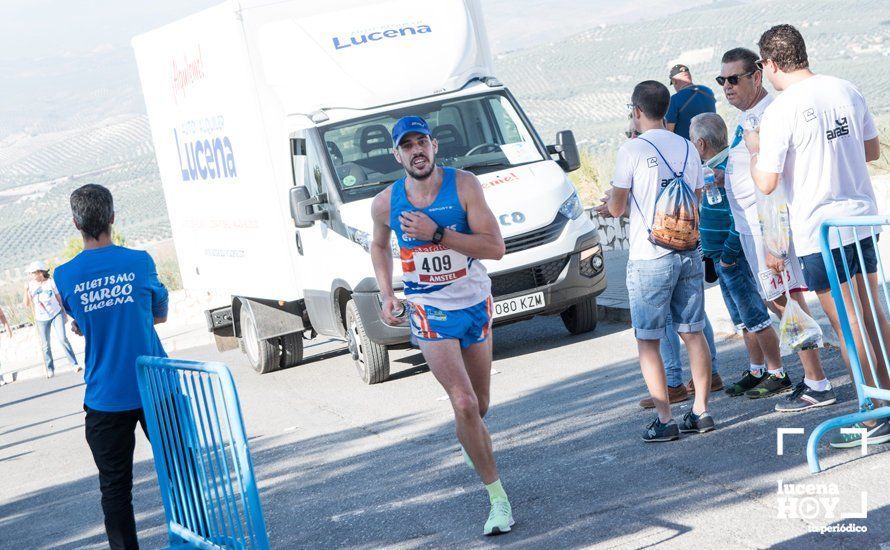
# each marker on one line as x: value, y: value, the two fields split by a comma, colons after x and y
x: 864, y: 228
x: 201, y: 455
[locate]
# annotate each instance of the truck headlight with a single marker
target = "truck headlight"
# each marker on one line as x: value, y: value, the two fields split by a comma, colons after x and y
x: 572, y: 207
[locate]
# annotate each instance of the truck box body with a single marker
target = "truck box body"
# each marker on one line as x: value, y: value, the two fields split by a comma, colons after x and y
x: 223, y: 157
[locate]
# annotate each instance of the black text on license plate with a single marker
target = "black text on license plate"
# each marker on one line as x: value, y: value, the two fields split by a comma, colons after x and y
x: 519, y: 304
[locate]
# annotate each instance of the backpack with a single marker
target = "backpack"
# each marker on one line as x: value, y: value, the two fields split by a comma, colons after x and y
x: 675, y: 220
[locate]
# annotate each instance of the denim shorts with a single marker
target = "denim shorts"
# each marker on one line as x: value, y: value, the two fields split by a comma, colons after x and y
x: 739, y: 289
x: 814, y: 268
x: 673, y: 284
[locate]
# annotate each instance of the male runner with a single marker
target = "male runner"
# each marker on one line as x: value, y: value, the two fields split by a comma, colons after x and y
x: 444, y: 227
x: 742, y: 83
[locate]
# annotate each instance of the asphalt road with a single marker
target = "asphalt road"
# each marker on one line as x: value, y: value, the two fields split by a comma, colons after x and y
x: 343, y: 464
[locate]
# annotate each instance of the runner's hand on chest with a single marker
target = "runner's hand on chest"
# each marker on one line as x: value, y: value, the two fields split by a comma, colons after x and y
x: 417, y: 225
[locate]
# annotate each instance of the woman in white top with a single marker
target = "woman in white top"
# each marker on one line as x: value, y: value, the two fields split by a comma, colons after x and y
x: 43, y: 296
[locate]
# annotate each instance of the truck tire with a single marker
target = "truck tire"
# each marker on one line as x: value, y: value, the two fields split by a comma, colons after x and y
x: 263, y: 355
x: 291, y: 350
x: 371, y: 360
x: 581, y: 317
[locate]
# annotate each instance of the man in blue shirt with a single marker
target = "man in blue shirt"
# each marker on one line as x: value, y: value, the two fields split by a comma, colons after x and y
x: 115, y: 298
x: 690, y: 100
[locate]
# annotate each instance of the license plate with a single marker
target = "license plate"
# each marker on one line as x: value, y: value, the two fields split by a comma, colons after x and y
x: 773, y: 285
x: 519, y: 304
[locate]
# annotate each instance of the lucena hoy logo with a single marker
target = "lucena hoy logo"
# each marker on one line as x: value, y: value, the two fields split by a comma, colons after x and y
x: 208, y: 158
x: 375, y: 36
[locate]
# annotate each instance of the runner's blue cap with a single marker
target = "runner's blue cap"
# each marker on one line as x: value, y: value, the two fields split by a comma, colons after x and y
x: 409, y: 125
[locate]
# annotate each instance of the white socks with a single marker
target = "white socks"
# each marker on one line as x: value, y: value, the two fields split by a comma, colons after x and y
x: 818, y: 385
x: 757, y: 370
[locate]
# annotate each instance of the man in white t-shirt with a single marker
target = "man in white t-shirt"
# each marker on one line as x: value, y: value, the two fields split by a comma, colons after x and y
x: 742, y: 84
x: 818, y: 136
x: 661, y: 281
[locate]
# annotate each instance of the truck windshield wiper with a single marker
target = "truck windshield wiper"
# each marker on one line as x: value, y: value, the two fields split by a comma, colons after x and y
x: 484, y: 165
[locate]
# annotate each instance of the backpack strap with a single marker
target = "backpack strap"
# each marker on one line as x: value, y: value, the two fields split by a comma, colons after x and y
x: 685, y: 158
x: 695, y: 91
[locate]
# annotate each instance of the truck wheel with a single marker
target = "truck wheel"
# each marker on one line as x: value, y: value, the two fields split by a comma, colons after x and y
x: 371, y: 360
x: 581, y: 317
x: 264, y: 355
x: 291, y: 350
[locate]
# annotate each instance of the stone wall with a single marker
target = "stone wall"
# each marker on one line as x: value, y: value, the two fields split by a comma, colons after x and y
x: 613, y: 231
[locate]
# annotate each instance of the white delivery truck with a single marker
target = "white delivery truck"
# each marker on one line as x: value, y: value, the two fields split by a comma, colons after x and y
x: 271, y: 124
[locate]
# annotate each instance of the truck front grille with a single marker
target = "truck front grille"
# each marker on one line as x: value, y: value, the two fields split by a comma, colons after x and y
x: 528, y: 278
x: 544, y: 235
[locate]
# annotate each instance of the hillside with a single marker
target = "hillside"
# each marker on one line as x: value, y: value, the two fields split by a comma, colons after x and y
x: 98, y: 132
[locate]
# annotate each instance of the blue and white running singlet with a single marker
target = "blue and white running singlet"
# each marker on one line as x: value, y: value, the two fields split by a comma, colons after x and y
x: 433, y: 274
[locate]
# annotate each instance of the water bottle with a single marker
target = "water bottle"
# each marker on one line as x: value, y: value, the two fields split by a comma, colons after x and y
x: 400, y: 312
x: 711, y: 192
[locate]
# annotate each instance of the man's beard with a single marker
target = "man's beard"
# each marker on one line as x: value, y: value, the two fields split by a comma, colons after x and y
x: 420, y: 174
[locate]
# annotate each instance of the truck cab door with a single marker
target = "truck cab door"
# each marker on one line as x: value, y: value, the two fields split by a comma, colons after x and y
x: 314, y: 210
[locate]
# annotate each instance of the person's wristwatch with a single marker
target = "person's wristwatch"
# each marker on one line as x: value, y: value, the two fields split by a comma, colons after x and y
x: 438, y: 235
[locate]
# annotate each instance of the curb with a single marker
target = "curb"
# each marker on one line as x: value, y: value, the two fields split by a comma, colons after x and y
x: 616, y: 313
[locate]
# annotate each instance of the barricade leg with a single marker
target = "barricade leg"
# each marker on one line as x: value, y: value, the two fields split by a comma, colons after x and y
x: 839, y: 422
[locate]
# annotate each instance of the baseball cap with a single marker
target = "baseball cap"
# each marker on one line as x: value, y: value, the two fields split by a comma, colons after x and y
x: 677, y: 69
x: 37, y: 265
x: 409, y: 125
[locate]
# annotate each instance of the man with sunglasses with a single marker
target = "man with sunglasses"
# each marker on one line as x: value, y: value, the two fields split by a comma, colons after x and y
x: 690, y: 100
x: 742, y: 84
x: 815, y: 139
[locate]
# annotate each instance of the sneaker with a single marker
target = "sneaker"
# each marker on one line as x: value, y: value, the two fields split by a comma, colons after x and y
x: 877, y: 434
x: 78, y: 368
x: 500, y: 518
x: 467, y: 460
x: 50, y: 374
x: 675, y: 395
x: 803, y: 397
x: 697, y: 423
x: 716, y: 384
x: 771, y: 386
x: 657, y: 432
x: 747, y: 382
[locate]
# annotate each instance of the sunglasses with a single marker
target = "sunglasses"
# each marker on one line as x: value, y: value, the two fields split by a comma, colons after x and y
x: 759, y: 63
x: 734, y: 79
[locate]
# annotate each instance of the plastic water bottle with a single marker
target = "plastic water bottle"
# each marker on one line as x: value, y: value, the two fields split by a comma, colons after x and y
x: 711, y: 192
x: 400, y: 312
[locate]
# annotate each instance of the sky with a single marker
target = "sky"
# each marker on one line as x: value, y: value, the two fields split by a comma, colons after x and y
x: 32, y: 29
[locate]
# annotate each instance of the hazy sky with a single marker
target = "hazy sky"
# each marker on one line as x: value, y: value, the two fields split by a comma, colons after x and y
x: 44, y: 28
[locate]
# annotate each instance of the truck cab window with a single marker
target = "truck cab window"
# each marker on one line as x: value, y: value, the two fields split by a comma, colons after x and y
x: 480, y: 133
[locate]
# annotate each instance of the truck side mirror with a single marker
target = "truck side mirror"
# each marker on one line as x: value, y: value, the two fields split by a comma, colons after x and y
x: 302, y: 207
x: 567, y: 149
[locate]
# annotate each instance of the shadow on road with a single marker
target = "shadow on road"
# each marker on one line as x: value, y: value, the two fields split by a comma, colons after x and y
x: 570, y: 455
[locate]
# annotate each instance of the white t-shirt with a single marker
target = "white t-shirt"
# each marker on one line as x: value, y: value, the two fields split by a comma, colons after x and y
x: 46, y: 304
x: 640, y: 169
x: 813, y: 135
x: 739, y: 183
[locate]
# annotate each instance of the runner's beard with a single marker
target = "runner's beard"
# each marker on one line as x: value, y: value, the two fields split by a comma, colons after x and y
x: 420, y: 174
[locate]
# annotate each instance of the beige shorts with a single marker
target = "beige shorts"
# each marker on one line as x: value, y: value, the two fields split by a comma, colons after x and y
x: 755, y: 253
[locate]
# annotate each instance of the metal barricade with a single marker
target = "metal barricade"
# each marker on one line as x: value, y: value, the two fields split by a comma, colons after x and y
x: 201, y: 455
x: 870, y: 311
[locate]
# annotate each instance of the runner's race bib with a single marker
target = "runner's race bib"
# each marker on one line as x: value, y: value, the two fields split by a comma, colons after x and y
x: 773, y: 284
x: 437, y: 265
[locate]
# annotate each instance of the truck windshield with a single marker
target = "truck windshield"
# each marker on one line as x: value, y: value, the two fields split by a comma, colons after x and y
x: 480, y: 134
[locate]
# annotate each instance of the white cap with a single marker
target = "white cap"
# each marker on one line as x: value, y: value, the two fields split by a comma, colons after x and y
x: 37, y: 265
